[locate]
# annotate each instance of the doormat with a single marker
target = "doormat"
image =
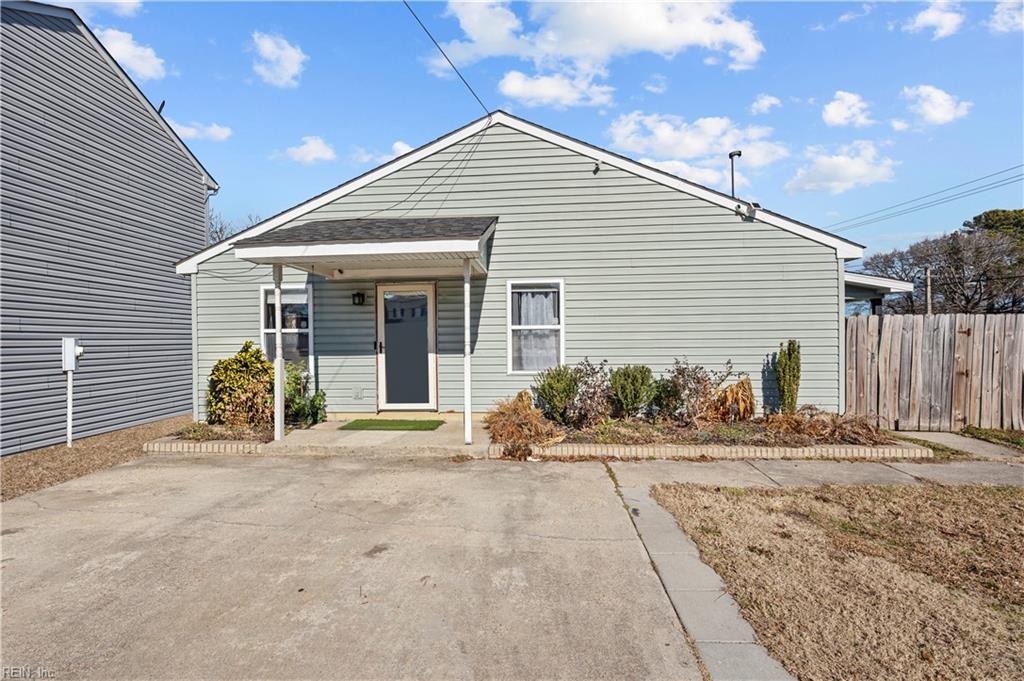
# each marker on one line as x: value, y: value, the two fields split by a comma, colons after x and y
x: 392, y: 424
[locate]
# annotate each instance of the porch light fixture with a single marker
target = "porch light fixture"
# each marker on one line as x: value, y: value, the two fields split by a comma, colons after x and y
x: 358, y: 298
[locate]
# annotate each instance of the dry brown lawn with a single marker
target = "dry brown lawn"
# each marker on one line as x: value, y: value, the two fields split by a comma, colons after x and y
x: 28, y: 471
x: 914, y: 582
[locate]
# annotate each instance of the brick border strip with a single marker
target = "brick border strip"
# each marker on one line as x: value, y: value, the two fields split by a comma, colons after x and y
x: 638, y: 452
x: 171, y: 445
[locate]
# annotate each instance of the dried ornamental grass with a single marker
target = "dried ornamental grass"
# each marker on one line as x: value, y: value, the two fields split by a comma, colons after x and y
x: 518, y: 425
x: 736, y: 402
x: 827, y: 428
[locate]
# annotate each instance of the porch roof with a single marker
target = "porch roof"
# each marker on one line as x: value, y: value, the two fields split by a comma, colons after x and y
x: 375, y: 246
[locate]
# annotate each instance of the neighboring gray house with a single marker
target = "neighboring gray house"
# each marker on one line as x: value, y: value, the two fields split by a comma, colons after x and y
x: 572, y: 251
x: 99, y: 200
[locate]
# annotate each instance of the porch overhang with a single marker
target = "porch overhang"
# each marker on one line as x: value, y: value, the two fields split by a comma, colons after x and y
x: 373, y: 248
x: 871, y: 287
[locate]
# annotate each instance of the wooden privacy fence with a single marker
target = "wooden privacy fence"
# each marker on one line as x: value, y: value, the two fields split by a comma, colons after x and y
x: 936, y: 372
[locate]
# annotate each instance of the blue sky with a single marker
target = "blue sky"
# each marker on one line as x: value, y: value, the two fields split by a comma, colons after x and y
x: 840, y: 108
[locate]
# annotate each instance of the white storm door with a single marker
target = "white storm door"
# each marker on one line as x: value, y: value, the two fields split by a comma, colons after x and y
x: 406, y: 346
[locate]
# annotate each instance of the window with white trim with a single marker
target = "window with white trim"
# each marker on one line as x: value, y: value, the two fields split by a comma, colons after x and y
x: 536, y: 325
x: 296, y: 323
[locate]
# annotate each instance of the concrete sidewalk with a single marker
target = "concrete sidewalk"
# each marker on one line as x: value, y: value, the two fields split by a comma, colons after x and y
x: 773, y: 473
x: 971, y: 445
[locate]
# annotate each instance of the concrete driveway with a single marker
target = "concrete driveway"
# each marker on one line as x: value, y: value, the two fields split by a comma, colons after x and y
x: 305, y: 567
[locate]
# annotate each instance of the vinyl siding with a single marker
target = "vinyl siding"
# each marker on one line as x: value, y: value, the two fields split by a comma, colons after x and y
x: 98, y: 204
x: 651, y: 274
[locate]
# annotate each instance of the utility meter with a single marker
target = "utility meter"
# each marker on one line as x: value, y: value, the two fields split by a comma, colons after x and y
x: 70, y: 352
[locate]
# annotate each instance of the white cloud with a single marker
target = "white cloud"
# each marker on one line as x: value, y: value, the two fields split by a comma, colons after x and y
x: 1007, y: 17
x: 559, y: 90
x: 696, y: 151
x: 571, y: 44
x: 657, y: 84
x: 853, y: 15
x: 764, y: 103
x: 846, y: 108
x: 854, y: 165
x: 942, y: 18
x: 398, y: 148
x: 312, y: 150
x: 279, y: 63
x: 935, y: 106
x: 710, y: 177
x: 140, y: 60
x: 198, y: 131
x: 899, y: 125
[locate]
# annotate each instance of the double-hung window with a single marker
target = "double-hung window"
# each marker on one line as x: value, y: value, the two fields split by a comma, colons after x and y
x: 296, y: 322
x: 536, y: 325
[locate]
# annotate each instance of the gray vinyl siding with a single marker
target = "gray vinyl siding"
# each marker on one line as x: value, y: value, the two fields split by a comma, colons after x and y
x: 651, y: 274
x: 98, y: 204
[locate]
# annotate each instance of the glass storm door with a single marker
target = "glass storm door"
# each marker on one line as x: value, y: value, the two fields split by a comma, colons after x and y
x: 406, y: 355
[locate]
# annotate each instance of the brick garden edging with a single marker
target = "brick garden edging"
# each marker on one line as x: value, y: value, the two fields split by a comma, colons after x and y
x: 172, y: 445
x: 570, y: 450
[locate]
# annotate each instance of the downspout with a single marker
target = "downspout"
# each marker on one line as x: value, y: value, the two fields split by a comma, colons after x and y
x: 194, y: 284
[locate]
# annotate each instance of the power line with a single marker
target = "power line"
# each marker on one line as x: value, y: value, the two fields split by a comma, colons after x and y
x: 450, y: 63
x: 925, y: 196
x: 938, y: 202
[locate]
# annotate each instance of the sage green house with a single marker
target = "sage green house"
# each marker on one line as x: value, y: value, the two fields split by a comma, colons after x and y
x: 567, y: 251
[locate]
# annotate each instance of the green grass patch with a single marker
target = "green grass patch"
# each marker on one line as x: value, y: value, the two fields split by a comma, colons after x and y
x: 1013, y: 438
x: 392, y: 424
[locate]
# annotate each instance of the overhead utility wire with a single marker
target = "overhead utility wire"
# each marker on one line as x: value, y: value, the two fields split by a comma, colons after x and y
x: 941, y: 191
x: 450, y: 63
x: 938, y: 202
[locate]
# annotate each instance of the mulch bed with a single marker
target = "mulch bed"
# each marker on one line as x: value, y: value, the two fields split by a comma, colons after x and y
x: 919, y: 582
x: 33, y: 470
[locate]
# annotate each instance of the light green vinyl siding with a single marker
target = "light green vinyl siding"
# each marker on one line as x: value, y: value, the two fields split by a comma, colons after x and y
x: 651, y: 274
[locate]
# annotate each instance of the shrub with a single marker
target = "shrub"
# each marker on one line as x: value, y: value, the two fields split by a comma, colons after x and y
x: 517, y: 425
x: 686, y: 394
x: 787, y: 373
x: 240, y: 390
x: 633, y: 389
x: 592, y: 403
x: 299, y: 406
x: 556, y: 389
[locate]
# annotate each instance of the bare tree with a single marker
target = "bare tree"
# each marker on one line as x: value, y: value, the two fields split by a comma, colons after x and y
x: 973, y: 271
x: 221, y: 228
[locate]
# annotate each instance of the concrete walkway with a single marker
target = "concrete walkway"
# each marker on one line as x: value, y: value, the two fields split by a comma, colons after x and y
x: 643, y: 474
x: 979, y: 448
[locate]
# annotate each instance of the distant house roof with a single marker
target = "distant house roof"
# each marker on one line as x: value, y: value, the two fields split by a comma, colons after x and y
x: 72, y: 16
x: 860, y: 285
x: 374, y: 230
x: 844, y: 248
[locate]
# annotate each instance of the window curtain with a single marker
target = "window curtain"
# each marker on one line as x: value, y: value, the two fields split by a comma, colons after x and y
x: 535, y: 308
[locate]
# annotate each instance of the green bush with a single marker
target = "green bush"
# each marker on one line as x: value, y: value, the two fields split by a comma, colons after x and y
x: 787, y: 373
x: 299, y: 406
x: 555, y: 389
x: 240, y: 391
x: 633, y: 389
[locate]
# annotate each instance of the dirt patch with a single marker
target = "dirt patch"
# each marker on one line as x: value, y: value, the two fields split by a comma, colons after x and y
x: 922, y: 582
x: 200, y: 431
x: 28, y: 471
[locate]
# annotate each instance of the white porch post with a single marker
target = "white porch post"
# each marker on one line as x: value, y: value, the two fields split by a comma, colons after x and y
x: 278, y: 358
x: 467, y: 377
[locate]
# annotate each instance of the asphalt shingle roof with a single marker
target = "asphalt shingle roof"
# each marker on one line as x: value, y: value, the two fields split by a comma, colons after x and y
x: 374, y: 229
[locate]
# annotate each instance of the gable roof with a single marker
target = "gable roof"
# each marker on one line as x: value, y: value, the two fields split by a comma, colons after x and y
x: 845, y: 249
x: 72, y: 16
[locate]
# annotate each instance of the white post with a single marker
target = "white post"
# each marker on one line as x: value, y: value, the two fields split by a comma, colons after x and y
x: 71, y: 393
x: 467, y: 377
x: 278, y: 358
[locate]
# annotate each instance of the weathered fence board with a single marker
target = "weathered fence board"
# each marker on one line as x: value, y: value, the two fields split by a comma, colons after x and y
x: 936, y: 372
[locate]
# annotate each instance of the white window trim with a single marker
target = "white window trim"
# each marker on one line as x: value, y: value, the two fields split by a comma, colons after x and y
x: 308, y: 288
x: 508, y: 321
